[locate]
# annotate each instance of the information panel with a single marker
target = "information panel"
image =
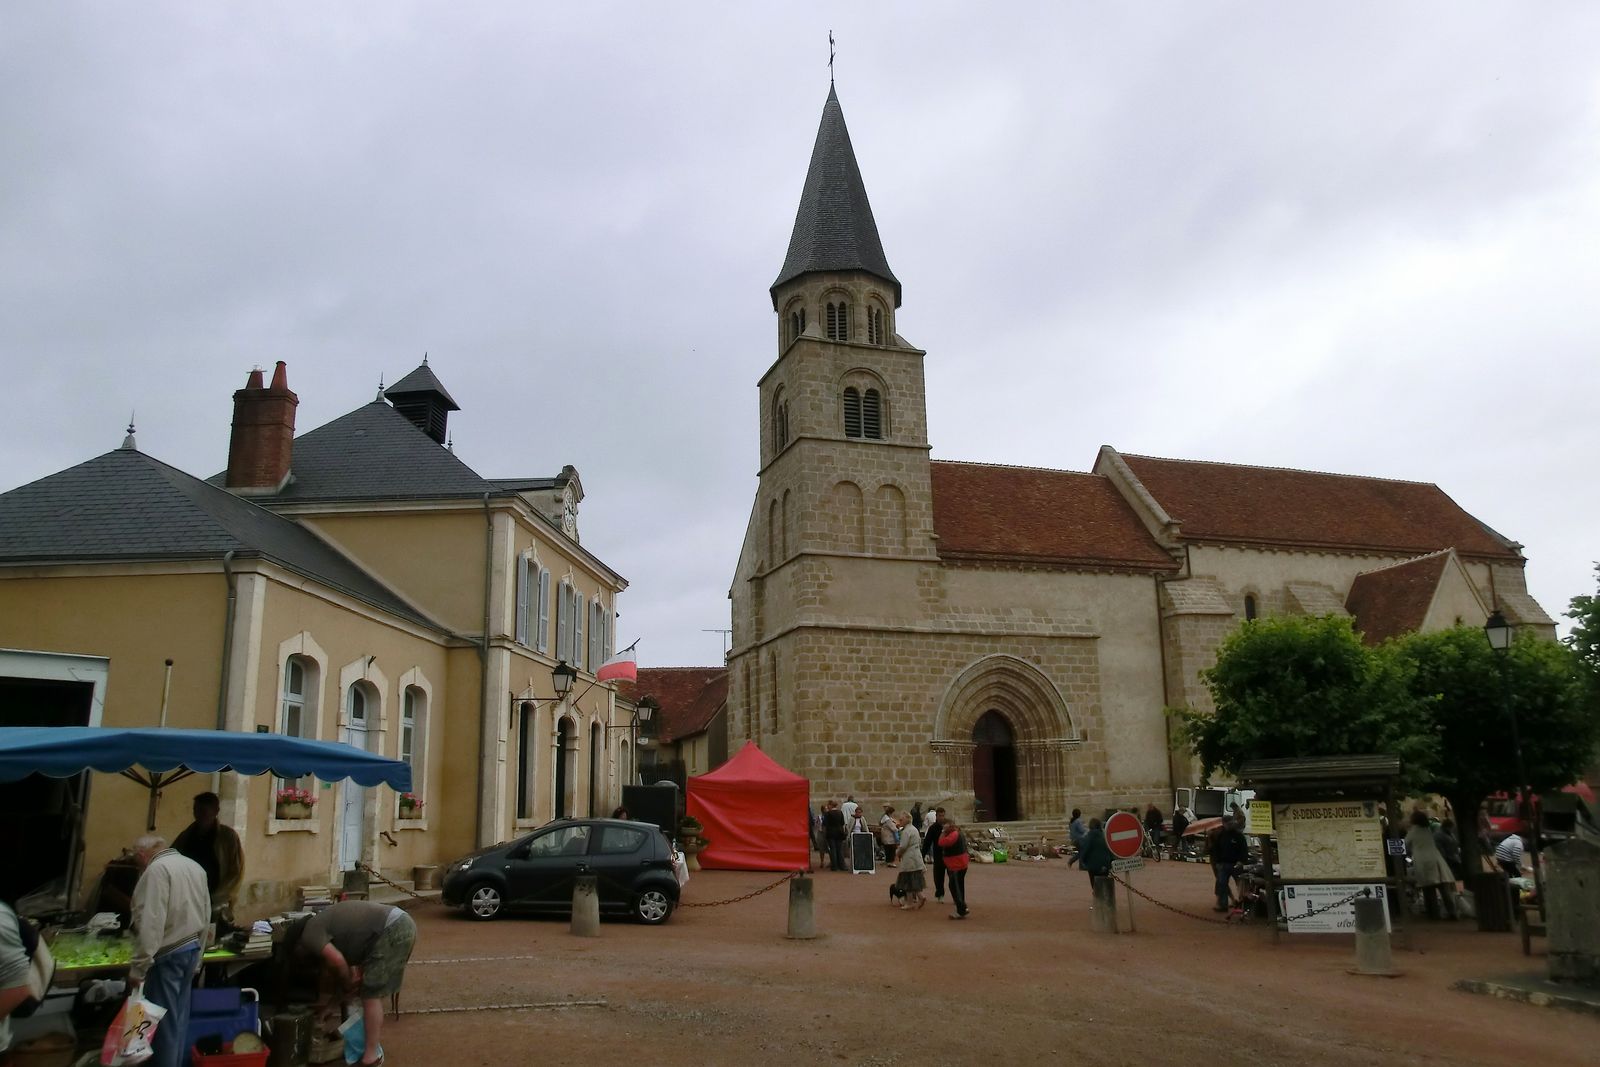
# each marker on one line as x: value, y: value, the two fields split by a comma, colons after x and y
x: 1297, y: 902
x: 1338, y: 839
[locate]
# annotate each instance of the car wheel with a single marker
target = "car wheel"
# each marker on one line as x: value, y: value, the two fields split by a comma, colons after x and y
x: 652, y: 907
x: 484, y: 901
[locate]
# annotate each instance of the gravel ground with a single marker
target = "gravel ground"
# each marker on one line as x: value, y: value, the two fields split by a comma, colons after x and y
x: 1023, y: 980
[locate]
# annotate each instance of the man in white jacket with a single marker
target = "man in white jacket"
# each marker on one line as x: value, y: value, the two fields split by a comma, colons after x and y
x: 171, y: 909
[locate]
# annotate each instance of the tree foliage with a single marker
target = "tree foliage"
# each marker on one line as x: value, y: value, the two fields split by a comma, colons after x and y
x: 1294, y: 687
x: 1472, y: 689
x: 1584, y: 611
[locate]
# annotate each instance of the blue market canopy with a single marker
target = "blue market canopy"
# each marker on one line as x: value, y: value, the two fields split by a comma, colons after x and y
x: 166, y: 756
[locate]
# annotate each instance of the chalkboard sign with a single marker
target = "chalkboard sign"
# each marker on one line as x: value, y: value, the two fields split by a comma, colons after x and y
x: 863, y: 854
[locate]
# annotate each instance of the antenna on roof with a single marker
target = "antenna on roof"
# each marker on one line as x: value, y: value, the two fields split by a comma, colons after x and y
x: 830, y: 59
x: 380, y: 387
x: 128, y: 441
x: 424, y: 359
x: 727, y: 641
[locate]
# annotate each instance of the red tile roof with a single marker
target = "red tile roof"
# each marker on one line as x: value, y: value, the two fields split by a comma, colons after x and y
x: 983, y: 511
x: 1277, y: 506
x: 1394, y: 600
x: 690, y: 697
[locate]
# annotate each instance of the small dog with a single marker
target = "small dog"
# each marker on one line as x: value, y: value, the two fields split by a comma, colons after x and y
x: 895, y: 892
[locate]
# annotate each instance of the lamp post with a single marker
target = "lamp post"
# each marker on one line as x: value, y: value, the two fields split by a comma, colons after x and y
x: 644, y: 710
x: 1499, y: 633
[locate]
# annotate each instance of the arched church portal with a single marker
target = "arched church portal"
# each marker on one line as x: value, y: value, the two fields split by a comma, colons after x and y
x: 1003, y: 732
x: 994, y: 769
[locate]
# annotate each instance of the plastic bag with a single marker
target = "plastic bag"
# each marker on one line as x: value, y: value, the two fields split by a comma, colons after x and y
x: 355, y: 1038
x: 128, y: 1040
x: 1000, y: 855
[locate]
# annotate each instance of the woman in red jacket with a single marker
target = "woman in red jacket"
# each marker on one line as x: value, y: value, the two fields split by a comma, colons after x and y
x: 953, y: 847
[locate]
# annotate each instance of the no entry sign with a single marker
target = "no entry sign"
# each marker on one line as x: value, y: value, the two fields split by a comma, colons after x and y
x: 1124, y: 835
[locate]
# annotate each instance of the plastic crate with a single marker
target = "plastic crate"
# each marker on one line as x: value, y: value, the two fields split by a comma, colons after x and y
x: 228, y: 1059
x: 222, y: 1013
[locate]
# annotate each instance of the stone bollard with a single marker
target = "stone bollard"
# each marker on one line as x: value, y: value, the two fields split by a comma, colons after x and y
x: 1572, y: 911
x: 802, y: 909
x: 1103, y: 917
x: 585, y: 906
x: 1372, y: 939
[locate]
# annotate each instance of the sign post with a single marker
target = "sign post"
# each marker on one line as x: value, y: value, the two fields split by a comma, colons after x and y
x: 1125, y: 838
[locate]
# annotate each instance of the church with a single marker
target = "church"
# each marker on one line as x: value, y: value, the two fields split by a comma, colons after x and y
x: 1004, y: 640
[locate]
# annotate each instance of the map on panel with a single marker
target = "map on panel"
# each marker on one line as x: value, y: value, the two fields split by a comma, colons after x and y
x: 1341, y: 839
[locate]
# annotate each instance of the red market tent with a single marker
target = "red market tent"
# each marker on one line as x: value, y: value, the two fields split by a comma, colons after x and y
x: 755, y: 814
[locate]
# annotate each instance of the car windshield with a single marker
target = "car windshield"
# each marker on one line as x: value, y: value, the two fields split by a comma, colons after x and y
x: 1502, y: 807
x: 565, y: 841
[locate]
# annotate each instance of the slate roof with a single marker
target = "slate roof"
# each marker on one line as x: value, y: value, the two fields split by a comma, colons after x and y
x: 127, y: 506
x: 373, y: 453
x: 690, y: 697
x: 1278, y: 506
x: 1394, y: 600
x: 834, y: 229
x: 423, y: 380
x: 1026, y: 514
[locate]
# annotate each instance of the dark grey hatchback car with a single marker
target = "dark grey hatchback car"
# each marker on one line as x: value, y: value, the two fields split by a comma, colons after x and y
x: 632, y: 861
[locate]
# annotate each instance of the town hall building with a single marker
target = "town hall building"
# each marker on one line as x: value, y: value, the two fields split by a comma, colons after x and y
x: 1004, y: 640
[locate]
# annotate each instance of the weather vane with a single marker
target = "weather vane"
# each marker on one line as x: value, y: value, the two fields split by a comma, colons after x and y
x: 830, y: 57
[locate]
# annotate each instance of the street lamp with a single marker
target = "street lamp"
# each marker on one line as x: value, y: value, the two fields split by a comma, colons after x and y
x: 1499, y: 633
x: 562, y: 677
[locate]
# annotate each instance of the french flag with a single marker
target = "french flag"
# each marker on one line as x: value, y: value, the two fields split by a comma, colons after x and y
x: 624, y: 666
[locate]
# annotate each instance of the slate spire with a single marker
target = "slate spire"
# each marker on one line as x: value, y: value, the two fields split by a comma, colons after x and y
x: 834, y: 229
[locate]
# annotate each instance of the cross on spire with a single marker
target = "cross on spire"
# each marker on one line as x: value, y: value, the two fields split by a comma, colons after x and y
x: 830, y: 57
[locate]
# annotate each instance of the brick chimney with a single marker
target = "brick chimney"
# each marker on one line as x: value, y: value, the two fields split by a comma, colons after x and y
x: 263, y: 434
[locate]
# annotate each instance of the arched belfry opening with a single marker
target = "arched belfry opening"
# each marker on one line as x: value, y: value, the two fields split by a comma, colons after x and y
x: 1003, y: 733
x: 994, y: 769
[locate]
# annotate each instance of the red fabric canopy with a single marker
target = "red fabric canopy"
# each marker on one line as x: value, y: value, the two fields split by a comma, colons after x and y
x: 755, y: 813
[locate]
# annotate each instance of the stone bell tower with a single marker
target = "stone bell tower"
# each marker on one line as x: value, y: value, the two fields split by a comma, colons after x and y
x: 842, y: 527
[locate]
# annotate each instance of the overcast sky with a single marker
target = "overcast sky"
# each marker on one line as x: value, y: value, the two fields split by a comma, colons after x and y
x: 1355, y: 237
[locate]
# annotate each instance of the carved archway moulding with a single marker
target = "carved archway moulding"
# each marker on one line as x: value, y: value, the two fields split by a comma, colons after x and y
x: 1017, y: 689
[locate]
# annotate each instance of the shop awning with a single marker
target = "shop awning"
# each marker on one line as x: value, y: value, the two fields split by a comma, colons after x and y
x: 156, y: 758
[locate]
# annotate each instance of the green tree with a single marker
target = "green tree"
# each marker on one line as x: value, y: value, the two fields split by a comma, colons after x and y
x: 1584, y: 611
x: 1468, y: 688
x: 1289, y: 687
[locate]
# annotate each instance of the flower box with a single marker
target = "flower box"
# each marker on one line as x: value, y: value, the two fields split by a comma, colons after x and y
x: 294, y: 803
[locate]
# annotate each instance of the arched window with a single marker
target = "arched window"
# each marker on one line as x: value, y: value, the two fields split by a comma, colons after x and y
x: 780, y: 421
x: 852, y: 412
x: 872, y: 415
x: 1249, y: 606
x: 876, y: 335
x: 298, y: 715
x: 838, y: 321
x: 414, y: 736
x: 794, y: 326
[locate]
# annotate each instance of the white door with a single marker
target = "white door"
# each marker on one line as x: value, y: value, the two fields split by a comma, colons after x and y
x: 353, y: 813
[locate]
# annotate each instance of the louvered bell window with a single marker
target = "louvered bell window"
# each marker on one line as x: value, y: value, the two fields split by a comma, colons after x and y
x: 852, y: 412
x: 872, y: 415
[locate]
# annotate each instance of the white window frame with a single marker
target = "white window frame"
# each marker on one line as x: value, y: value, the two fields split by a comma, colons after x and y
x: 306, y: 647
x: 420, y: 728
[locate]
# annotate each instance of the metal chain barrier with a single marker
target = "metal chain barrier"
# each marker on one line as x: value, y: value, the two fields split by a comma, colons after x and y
x: 392, y: 885
x: 734, y: 900
x: 1228, y: 920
